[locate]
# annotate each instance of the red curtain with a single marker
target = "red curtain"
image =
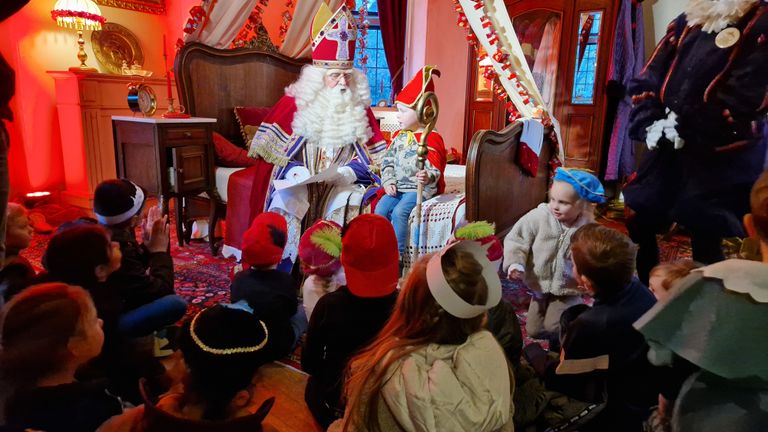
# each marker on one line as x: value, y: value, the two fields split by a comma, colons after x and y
x: 392, y: 15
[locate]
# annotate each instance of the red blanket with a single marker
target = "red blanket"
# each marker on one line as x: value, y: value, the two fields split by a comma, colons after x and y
x: 244, y: 201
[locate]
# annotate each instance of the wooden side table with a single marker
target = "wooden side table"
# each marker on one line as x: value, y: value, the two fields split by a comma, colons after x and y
x: 169, y: 158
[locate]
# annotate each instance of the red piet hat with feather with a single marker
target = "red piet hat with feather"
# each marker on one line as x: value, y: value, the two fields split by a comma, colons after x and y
x: 320, y: 249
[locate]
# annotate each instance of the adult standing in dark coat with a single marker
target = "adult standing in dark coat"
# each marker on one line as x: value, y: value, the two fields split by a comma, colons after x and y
x: 700, y: 104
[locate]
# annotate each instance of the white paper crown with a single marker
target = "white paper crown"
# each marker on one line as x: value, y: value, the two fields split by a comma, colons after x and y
x: 447, y: 298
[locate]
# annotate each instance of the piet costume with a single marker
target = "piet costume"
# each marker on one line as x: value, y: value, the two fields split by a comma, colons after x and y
x: 398, y: 166
x: 297, y: 157
x: 716, y: 319
x: 700, y: 105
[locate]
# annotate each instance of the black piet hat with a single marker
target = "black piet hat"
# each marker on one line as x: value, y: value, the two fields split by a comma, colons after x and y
x: 116, y: 201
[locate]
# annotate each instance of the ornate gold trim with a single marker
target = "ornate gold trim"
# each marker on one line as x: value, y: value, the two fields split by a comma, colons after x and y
x: 148, y: 6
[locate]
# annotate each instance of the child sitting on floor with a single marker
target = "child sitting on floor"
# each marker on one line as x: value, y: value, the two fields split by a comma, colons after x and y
x: 603, y: 358
x: 663, y: 276
x: 223, y: 348
x: 85, y: 255
x: 399, y: 174
x: 433, y: 367
x: 145, y: 276
x: 272, y: 294
x: 320, y: 253
x: 48, y: 332
x: 537, y: 250
x: 16, y: 271
x: 18, y: 232
x: 350, y: 317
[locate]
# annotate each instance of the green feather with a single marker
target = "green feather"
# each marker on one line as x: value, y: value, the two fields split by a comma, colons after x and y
x: 328, y: 240
x: 475, y: 231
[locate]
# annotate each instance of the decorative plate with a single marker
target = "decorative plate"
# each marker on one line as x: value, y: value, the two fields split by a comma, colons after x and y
x: 114, y: 44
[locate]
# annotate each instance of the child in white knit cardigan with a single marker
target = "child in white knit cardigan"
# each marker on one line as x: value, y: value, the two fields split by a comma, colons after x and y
x: 537, y: 250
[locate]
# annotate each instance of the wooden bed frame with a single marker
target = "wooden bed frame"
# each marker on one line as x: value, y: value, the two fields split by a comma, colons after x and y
x: 497, y: 189
x: 211, y: 82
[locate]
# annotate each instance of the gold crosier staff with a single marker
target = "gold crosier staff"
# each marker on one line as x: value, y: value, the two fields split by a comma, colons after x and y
x: 427, y: 110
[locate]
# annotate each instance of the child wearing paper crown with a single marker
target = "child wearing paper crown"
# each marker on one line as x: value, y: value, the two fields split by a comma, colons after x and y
x: 434, y: 367
x: 537, y: 250
x: 399, y: 174
x: 320, y: 254
x: 272, y: 294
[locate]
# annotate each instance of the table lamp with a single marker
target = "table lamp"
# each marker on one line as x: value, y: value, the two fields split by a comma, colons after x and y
x: 79, y: 15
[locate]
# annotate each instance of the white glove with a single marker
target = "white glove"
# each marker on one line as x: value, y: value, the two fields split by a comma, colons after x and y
x: 664, y: 127
x: 345, y: 176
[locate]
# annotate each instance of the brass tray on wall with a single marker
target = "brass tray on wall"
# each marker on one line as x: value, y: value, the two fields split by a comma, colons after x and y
x: 149, y: 6
x: 114, y: 44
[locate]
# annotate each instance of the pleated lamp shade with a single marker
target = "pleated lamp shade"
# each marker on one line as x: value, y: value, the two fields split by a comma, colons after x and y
x: 78, y: 14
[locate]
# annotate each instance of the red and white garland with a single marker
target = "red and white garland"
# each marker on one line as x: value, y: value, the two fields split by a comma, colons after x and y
x: 362, y: 37
x: 525, y: 98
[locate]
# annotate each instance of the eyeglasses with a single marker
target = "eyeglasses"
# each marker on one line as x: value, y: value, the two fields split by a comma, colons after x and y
x: 336, y: 76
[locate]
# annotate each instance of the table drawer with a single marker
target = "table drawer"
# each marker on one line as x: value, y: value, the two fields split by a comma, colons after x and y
x: 185, y: 134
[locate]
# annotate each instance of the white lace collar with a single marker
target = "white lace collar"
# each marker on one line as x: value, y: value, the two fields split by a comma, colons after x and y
x: 715, y: 15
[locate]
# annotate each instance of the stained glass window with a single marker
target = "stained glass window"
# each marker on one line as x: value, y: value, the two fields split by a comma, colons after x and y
x: 376, y: 69
x: 586, y: 60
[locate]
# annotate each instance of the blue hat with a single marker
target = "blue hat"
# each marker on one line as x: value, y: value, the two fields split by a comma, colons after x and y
x: 585, y: 184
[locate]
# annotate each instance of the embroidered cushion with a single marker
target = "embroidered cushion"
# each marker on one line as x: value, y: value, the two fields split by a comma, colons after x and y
x: 249, y: 119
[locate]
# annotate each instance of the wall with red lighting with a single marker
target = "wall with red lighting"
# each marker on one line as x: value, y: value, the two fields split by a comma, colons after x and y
x: 32, y: 44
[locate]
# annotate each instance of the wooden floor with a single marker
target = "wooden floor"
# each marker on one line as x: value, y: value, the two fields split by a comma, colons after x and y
x: 290, y: 413
x: 286, y: 385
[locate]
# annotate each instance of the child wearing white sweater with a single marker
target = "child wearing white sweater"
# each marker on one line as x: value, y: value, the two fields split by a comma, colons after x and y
x: 537, y: 250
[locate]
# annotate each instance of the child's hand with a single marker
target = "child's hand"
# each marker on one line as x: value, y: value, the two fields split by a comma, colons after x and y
x: 154, y: 213
x: 390, y: 190
x: 159, y: 237
x: 515, y: 274
x: 423, y: 177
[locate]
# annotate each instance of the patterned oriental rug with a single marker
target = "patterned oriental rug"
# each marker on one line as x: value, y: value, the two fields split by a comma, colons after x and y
x: 204, y: 280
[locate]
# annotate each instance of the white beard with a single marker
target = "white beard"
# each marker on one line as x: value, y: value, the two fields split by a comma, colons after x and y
x: 715, y: 15
x: 334, y: 119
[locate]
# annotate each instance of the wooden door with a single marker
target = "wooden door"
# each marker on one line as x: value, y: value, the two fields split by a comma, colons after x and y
x: 484, y: 110
x: 191, y: 164
x: 582, y: 109
x: 549, y: 32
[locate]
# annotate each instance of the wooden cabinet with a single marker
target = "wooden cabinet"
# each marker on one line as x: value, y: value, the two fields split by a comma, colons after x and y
x: 85, y: 103
x: 169, y: 158
x: 567, y: 44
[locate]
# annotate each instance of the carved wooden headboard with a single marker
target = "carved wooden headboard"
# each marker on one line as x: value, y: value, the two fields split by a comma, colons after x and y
x: 497, y: 189
x: 211, y: 82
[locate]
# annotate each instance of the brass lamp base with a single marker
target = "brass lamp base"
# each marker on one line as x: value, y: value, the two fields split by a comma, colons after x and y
x: 82, y: 56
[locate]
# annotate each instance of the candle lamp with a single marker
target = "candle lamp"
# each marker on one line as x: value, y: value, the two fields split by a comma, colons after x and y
x: 172, y: 112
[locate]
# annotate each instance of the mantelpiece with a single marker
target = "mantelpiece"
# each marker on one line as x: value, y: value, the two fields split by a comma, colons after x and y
x: 86, y: 103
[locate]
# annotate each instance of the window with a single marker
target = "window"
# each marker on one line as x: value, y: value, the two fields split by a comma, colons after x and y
x: 586, y: 62
x: 376, y: 69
